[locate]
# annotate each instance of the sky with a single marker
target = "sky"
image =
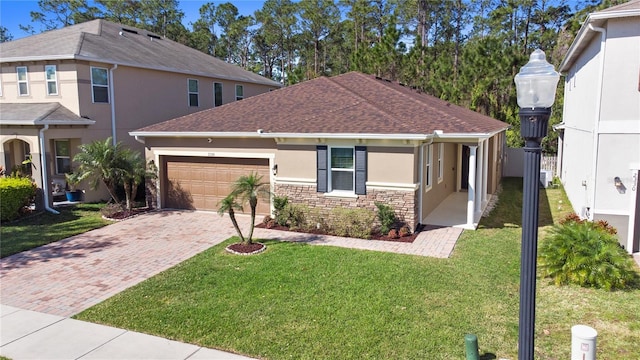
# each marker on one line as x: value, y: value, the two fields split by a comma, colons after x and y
x: 16, y: 12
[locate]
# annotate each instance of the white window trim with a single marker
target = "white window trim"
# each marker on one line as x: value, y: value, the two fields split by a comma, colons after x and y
x: 93, y: 99
x: 55, y: 150
x: 26, y: 80
x: 55, y: 79
x: 440, y: 162
x: 221, y: 94
x: 428, y: 167
x: 189, y: 92
x: 331, y: 191
x: 239, y: 97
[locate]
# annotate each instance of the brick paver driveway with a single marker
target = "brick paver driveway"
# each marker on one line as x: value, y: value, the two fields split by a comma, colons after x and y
x: 73, y: 274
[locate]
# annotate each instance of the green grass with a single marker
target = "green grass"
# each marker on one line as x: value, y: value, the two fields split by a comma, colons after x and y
x: 45, y: 227
x: 315, y: 302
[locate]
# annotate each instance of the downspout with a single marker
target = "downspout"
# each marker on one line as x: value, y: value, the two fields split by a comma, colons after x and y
x: 43, y: 166
x: 596, y: 125
x: 113, y: 104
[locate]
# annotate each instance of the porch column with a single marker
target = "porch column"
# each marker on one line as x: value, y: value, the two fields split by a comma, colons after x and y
x: 471, y: 186
x: 479, y: 177
x: 485, y: 172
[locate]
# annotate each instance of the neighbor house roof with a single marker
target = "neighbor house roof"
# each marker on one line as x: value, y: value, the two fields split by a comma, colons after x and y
x: 108, y: 42
x: 39, y: 114
x: 597, y: 19
x: 348, y: 105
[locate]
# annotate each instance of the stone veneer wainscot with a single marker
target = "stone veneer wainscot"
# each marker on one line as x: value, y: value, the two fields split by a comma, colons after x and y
x: 403, y: 202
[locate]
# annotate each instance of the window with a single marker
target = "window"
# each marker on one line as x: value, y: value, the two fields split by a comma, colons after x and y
x: 427, y: 166
x: 342, y: 169
x: 217, y: 94
x: 239, y: 92
x: 193, y: 92
x: 100, y: 85
x: 23, y: 82
x: 440, y: 162
x: 52, y: 79
x: 63, y: 156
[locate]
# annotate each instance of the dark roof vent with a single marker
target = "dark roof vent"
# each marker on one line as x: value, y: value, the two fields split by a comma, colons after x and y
x: 129, y: 31
x: 378, y: 78
x: 153, y: 36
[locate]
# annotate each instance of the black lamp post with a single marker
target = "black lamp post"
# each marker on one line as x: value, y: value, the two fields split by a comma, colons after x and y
x: 536, y: 90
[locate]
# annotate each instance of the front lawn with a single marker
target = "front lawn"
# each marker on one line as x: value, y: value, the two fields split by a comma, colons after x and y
x: 45, y: 228
x: 320, y: 302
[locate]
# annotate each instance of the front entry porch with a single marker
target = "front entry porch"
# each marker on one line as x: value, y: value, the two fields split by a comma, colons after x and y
x: 452, y: 212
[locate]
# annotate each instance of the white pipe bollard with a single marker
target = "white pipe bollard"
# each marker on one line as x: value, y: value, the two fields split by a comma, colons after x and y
x: 583, y: 342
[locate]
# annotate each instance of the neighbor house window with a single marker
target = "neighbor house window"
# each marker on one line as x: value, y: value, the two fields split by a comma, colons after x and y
x: 217, y: 94
x: 239, y: 92
x: 440, y: 162
x: 193, y: 92
x: 52, y: 79
x: 63, y: 156
x: 428, y: 169
x: 23, y: 82
x: 99, y: 85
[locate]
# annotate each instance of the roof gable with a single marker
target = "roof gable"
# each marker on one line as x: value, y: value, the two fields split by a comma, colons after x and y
x: 351, y: 103
x: 108, y: 42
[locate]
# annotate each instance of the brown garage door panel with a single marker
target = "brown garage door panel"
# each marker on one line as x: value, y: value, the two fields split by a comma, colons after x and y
x: 201, y: 183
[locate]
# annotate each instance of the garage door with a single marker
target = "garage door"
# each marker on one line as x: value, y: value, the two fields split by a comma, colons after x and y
x: 201, y: 183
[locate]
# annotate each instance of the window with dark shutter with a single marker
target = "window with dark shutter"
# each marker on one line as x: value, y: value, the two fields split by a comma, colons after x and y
x: 361, y: 170
x: 322, y: 154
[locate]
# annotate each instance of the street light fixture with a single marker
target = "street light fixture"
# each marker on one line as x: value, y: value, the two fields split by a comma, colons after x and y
x: 536, y: 90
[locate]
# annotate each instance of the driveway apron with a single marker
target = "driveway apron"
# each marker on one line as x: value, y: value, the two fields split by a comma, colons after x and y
x: 71, y: 275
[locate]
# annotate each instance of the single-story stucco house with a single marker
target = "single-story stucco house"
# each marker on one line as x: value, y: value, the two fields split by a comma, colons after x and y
x: 347, y: 141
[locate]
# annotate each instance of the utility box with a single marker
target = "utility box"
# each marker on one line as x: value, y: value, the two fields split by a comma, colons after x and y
x: 583, y: 342
x: 546, y: 177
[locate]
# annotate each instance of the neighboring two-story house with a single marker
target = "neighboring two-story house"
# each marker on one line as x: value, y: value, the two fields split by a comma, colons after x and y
x: 74, y: 85
x: 599, y: 150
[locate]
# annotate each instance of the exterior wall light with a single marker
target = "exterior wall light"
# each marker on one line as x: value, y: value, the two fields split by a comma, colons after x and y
x: 619, y: 185
x: 536, y: 90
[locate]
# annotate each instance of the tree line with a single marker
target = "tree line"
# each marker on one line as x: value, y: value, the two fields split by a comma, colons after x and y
x: 462, y: 51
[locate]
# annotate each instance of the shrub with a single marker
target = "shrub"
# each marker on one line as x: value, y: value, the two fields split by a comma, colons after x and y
x: 16, y: 193
x: 386, y: 216
x: 352, y: 222
x: 585, y: 254
x: 279, y: 205
x: 404, y: 231
x: 296, y: 216
x: 393, y: 233
x: 111, y: 210
x: 316, y: 220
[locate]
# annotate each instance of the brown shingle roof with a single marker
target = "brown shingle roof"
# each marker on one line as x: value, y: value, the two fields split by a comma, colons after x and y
x: 109, y: 42
x: 351, y: 103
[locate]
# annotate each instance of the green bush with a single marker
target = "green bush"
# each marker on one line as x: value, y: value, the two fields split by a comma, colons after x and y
x: 279, y: 205
x: 15, y: 194
x: 386, y: 216
x: 295, y: 215
x: 586, y: 254
x: 352, y: 222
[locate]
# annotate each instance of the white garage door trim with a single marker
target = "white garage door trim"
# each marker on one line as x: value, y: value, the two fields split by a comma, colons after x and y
x: 217, y: 154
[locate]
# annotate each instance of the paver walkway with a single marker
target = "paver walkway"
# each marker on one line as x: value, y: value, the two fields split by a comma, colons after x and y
x: 71, y: 275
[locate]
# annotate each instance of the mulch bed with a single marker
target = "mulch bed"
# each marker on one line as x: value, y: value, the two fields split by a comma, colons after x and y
x: 125, y: 214
x: 246, y: 249
x: 375, y: 236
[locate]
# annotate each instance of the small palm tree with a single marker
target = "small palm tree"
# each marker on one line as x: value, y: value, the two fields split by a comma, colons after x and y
x: 229, y: 205
x: 97, y: 163
x: 250, y: 188
x: 132, y: 171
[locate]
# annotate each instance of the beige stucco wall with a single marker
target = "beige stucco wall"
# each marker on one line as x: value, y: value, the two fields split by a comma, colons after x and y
x: 440, y: 189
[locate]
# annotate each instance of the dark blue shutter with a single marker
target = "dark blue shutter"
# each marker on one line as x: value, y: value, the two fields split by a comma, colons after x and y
x: 322, y: 165
x: 361, y: 170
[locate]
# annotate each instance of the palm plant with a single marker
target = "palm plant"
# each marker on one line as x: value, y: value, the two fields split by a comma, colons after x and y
x: 249, y: 188
x: 230, y: 205
x: 583, y: 253
x: 97, y: 162
x: 132, y: 172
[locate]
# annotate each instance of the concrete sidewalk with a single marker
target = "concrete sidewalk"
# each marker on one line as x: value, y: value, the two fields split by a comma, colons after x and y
x: 27, y: 334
